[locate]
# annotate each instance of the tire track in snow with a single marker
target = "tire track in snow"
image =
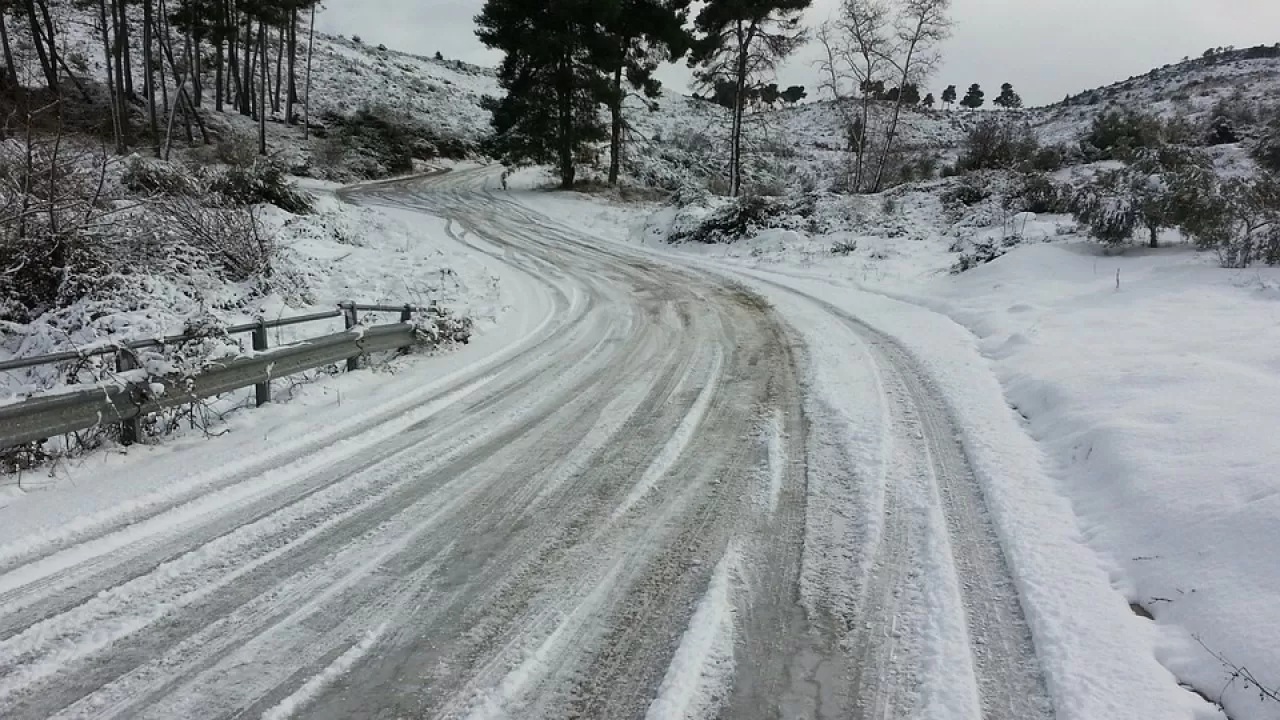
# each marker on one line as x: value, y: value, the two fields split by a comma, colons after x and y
x: 701, y: 673
x: 972, y: 602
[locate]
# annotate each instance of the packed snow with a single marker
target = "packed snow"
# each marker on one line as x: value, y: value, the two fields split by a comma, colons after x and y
x: 1121, y: 408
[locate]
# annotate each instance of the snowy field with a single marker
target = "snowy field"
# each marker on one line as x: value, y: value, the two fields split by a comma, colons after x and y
x: 1149, y: 381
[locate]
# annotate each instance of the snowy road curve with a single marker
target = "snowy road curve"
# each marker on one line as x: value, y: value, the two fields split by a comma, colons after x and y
x: 650, y: 512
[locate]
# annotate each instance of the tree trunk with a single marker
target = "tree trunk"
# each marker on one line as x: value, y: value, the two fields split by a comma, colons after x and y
x: 49, y: 37
x: 739, y: 108
x: 235, y: 90
x: 219, y: 54
x: 246, y: 85
x: 126, y: 50
x: 148, y: 71
x: 48, y: 64
x: 197, y: 71
x: 10, y: 69
x: 262, y: 89
x: 897, y: 107
x: 275, y: 98
x: 117, y: 56
x: 291, y: 95
x: 306, y: 117
x: 564, y: 91
x: 615, y: 130
x: 109, y: 65
x: 1155, y: 237
x: 293, y: 57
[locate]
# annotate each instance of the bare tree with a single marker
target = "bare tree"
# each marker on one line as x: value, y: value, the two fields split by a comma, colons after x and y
x: 742, y: 43
x: 857, y: 51
x: 921, y: 26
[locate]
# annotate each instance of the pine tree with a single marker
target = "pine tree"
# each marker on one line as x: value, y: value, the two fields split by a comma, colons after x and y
x: 742, y: 41
x: 1008, y: 99
x: 975, y: 98
x: 949, y: 95
x: 643, y: 34
x: 794, y: 94
x: 551, y: 75
x: 928, y: 101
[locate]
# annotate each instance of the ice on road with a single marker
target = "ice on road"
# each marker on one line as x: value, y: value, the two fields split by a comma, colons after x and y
x: 651, y: 510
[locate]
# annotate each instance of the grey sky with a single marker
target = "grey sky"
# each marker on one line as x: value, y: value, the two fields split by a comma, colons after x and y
x: 1046, y: 48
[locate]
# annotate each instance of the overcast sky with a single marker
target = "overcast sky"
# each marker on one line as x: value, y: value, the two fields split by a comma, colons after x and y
x: 1046, y: 48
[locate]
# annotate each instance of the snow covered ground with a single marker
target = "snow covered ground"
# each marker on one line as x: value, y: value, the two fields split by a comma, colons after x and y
x: 1149, y: 382
x: 342, y: 252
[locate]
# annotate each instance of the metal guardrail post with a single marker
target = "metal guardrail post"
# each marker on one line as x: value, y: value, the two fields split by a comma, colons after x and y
x: 131, y: 428
x: 351, y: 320
x: 406, y: 317
x: 262, y: 390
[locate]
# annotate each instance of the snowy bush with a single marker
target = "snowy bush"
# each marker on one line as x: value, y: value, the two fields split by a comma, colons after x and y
x: 745, y: 217
x: 230, y: 236
x: 262, y: 182
x: 56, y: 224
x: 1038, y: 193
x: 1116, y: 133
x: 1239, y: 219
x: 145, y: 176
x: 964, y: 194
x: 439, y: 327
x: 1266, y: 151
x: 982, y: 252
x: 997, y: 144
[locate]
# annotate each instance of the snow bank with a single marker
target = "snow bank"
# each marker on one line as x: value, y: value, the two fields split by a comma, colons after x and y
x: 1159, y: 403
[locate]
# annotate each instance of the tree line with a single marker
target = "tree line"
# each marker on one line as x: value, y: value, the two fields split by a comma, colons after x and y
x: 153, y: 54
x: 566, y: 60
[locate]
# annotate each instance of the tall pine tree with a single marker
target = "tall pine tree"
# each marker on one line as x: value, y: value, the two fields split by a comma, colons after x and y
x: 551, y: 77
x: 642, y: 34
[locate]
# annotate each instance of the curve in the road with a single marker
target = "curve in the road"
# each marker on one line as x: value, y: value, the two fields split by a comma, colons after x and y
x: 617, y: 523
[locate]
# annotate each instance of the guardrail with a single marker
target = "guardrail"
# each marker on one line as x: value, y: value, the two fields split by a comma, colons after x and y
x: 127, y: 403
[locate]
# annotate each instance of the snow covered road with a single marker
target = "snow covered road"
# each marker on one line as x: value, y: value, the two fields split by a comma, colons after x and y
x: 660, y: 501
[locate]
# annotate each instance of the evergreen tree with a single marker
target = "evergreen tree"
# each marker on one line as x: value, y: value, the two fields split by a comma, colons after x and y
x: 873, y: 89
x: 642, y: 34
x: 742, y: 41
x: 769, y: 94
x: 551, y: 75
x: 910, y: 94
x: 794, y: 94
x: 949, y: 95
x: 975, y: 98
x: 928, y: 101
x: 1008, y: 99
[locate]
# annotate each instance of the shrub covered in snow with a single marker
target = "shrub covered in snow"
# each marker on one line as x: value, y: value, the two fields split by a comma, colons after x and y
x: 262, y: 182
x: 1117, y: 133
x: 744, y: 217
x: 997, y: 144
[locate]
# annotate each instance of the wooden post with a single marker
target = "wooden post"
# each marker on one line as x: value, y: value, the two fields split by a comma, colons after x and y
x: 262, y: 390
x: 130, y: 429
x: 349, y: 316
